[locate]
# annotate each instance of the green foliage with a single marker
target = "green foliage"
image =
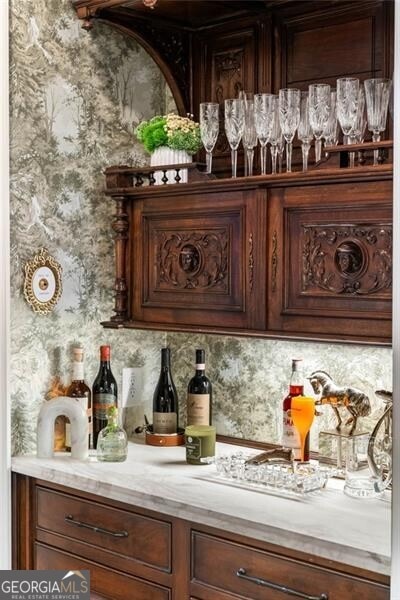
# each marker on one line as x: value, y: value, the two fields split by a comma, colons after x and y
x: 178, y: 133
x: 181, y: 140
x: 152, y: 134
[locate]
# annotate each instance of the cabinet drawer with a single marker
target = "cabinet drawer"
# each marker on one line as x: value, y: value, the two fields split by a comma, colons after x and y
x: 104, y: 583
x: 216, y: 562
x: 122, y: 532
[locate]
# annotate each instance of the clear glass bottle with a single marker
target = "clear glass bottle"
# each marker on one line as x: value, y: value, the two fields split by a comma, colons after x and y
x: 112, y: 442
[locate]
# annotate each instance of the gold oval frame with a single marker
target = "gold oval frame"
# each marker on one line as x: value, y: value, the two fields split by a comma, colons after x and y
x: 42, y: 259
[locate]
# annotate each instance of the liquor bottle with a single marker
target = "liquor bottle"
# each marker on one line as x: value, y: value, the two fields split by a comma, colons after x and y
x: 199, y: 394
x: 290, y: 436
x: 79, y: 389
x: 112, y: 442
x: 105, y: 393
x: 165, y: 399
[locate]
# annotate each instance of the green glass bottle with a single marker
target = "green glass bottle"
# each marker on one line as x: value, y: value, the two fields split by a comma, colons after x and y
x: 112, y: 442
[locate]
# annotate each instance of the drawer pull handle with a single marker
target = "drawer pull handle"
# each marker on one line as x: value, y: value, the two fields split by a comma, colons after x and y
x: 119, y: 534
x: 280, y: 588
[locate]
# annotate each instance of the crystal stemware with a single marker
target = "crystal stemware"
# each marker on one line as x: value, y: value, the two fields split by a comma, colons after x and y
x: 347, y: 89
x: 234, y: 126
x: 289, y: 117
x: 377, y: 94
x: 358, y: 131
x: 331, y: 133
x: 281, y: 149
x: 304, y: 131
x: 319, y: 103
x: 263, y: 106
x: 249, y: 138
x: 209, y: 129
x: 275, y: 137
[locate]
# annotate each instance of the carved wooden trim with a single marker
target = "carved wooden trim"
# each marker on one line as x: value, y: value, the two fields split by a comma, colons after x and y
x: 251, y: 262
x: 274, y: 261
x: 120, y: 226
x: 347, y: 259
x: 192, y: 259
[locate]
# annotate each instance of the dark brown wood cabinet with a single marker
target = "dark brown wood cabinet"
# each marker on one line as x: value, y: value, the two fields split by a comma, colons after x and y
x: 295, y: 255
x: 165, y: 558
x: 330, y: 249
x: 195, y: 259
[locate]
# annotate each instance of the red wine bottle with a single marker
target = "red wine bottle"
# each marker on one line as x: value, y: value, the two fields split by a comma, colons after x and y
x: 290, y: 435
x: 105, y: 393
x: 199, y: 399
x: 165, y: 399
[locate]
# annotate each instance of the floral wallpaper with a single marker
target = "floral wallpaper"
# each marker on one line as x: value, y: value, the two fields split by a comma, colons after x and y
x: 75, y: 99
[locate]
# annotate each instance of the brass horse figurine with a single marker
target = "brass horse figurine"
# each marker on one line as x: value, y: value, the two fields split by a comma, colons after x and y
x: 356, y: 402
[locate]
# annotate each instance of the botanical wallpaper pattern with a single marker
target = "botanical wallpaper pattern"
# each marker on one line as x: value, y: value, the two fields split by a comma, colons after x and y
x: 75, y: 97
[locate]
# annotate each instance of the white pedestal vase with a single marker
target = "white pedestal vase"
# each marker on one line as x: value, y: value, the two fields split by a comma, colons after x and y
x: 167, y: 156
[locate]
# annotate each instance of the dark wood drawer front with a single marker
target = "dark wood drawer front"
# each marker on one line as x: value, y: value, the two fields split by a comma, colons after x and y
x: 104, y: 582
x: 122, y: 532
x: 216, y: 562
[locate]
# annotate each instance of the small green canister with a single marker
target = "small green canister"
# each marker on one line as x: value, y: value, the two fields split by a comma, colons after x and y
x: 200, y: 443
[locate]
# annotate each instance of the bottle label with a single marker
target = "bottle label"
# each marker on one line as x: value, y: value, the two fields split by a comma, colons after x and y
x: 165, y: 422
x: 77, y: 371
x: 101, y: 404
x: 198, y: 409
x: 290, y: 435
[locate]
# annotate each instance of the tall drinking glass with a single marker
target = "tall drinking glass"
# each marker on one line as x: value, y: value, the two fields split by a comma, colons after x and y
x: 234, y: 126
x: 319, y: 104
x: 304, y: 131
x: 347, y: 89
x: 263, y: 121
x: 249, y: 138
x: 302, y: 410
x: 377, y: 94
x: 281, y: 150
x: 358, y: 131
x: 209, y: 129
x: 331, y: 134
x: 289, y: 117
x: 275, y: 136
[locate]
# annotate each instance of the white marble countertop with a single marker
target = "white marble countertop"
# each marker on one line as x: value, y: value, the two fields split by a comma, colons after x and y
x: 330, y: 525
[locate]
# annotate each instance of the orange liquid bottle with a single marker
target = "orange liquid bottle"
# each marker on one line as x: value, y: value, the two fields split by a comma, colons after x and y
x: 290, y: 435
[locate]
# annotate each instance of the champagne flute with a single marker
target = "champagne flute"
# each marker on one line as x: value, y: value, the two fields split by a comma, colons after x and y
x: 358, y: 131
x: 209, y: 128
x: 302, y: 411
x: 275, y: 134
x: 319, y: 104
x: 377, y: 92
x: 304, y: 131
x: 249, y: 139
x: 347, y: 89
x: 234, y: 126
x: 331, y: 132
x: 289, y: 116
x: 263, y: 106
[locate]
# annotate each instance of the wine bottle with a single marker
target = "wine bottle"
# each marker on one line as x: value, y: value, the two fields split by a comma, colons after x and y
x: 199, y: 394
x: 290, y: 435
x: 165, y: 399
x: 78, y: 389
x: 105, y: 393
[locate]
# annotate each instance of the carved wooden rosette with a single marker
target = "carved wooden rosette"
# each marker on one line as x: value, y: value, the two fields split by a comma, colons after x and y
x: 347, y: 259
x: 195, y: 260
x: 120, y: 226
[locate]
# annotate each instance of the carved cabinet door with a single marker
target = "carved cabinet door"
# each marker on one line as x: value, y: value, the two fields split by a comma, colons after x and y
x: 196, y: 259
x: 330, y: 261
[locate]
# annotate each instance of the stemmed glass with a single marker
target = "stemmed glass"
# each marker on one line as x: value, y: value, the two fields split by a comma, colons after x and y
x: 281, y: 148
x: 304, y: 131
x: 358, y: 131
x: 302, y: 410
x: 289, y: 117
x: 331, y: 129
x: 319, y: 103
x: 262, y: 119
x: 377, y: 92
x: 249, y: 139
x: 347, y: 89
x: 275, y: 136
x: 209, y: 128
x: 234, y: 126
